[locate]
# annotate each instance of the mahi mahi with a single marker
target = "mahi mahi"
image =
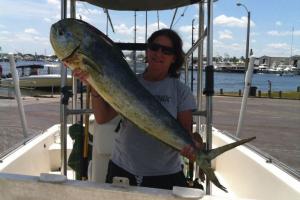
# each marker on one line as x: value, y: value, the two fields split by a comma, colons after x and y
x: 81, y: 45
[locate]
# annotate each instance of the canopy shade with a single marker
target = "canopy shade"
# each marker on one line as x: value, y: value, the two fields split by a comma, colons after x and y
x: 30, y: 66
x: 140, y: 5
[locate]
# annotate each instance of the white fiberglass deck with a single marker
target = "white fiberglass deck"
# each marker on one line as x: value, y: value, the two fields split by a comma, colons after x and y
x: 245, y: 173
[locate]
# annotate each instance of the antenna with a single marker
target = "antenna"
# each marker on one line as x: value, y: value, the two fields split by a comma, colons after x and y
x: 173, y: 18
x: 157, y: 19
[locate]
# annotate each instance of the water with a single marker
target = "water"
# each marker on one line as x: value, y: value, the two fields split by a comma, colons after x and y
x: 233, y: 82
x: 229, y: 82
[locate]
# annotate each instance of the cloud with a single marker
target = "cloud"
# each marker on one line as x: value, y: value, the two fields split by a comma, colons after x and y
x: 55, y: 2
x: 123, y: 29
x: 232, y: 49
x: 278, y: 23
x: 88, y: 11
x: 254, y: 34
x: 4, y: 32
x: 217, y: 42
x: 226, y: 34
x: 188, y: 30
x: 31, y: 31
x: 283, y: 33
x: 279, y: 45
x: 224, y: 20
x: 276, y: 49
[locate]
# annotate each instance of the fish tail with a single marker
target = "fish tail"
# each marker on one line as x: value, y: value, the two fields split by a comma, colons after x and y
x: 217, y: 151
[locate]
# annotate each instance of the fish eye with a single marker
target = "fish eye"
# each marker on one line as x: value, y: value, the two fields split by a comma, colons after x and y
x: 68, y: 34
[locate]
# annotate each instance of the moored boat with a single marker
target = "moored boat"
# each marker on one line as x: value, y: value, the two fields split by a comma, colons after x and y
x: 31, y: 77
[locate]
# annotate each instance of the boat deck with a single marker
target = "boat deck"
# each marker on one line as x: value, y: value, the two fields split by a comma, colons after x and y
x: 275, y: 122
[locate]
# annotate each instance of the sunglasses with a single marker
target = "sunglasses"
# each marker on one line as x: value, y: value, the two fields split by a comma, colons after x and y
x: 165, y: 50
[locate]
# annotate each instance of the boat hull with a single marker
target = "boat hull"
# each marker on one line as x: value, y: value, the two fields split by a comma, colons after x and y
x: 37, y: 81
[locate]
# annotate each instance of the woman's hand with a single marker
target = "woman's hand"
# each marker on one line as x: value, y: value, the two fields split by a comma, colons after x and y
x: 81, y: 75
x: 190, y: 151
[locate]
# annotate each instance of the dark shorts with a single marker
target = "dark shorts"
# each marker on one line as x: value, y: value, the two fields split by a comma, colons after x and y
x: 162, y: 182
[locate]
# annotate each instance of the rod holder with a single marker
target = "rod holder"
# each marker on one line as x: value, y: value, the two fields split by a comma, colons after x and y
x: 209, y: 81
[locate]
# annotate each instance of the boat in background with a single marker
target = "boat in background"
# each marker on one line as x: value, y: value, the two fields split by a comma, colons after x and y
x: 37, y: 76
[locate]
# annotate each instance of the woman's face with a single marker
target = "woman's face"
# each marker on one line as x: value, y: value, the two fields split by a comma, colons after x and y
x: 160, y: 54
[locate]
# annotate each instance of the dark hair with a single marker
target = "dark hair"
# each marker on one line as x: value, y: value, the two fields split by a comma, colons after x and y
x: 174, y: 70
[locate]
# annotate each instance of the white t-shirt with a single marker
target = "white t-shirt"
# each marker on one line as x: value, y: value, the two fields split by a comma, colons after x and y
x: 141, y: 154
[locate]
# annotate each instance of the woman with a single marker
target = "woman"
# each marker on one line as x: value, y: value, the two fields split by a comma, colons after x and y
x: 144, y: 160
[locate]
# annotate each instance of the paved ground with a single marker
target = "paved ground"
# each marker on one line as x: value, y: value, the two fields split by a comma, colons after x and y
x: 275, y: 123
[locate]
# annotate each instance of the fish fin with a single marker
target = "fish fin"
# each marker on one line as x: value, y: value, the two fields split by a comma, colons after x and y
x: 210, y: 175
x: 217, y: 151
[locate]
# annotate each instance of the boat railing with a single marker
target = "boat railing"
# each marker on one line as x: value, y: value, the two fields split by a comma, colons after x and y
x: 190, y: 51
x: 17, y: 146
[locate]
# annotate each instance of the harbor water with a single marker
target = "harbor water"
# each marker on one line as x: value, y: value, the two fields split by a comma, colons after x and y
x: 233, y: 82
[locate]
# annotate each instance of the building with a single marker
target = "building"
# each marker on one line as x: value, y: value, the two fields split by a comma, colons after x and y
x: 270, y: 62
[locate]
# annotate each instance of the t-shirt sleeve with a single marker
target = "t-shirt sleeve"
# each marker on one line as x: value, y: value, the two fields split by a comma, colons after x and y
x: 186, y: 99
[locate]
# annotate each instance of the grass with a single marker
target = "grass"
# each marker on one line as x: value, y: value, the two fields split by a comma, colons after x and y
x: 274, y: 94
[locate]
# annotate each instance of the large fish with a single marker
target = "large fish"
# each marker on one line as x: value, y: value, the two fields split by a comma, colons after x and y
x: 82, y: 46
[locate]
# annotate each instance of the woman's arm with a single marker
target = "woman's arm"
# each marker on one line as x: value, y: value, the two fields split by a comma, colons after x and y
x: 102, y: 110
x: 185, y: 118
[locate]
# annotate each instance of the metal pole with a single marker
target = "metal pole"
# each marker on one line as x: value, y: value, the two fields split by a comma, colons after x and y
x: 247, y: 42
x: 175, y: 12
x: 74, y: 79
x: 157, y: 20
x: 248, y: 35
x: 200, y: 63
x: 134, y: 52
x: 192, y: 57
x: 209, y: 105
x: 106, y: 22
x: 146, y: 27
x: 63, y: 107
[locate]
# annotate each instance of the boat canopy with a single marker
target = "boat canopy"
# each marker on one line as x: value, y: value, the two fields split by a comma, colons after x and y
x: 140, y: 5
x: 30, y: 66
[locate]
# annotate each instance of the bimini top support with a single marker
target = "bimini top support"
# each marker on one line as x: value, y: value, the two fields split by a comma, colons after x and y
x: 139, y: 5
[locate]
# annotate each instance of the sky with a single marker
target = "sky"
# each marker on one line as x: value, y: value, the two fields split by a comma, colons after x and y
x: 274, y: 30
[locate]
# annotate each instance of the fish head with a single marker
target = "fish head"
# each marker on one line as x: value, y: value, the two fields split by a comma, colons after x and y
x: 65, y: 38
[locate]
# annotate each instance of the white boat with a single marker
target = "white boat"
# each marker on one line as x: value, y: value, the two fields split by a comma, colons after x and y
x: 38, y: 81
x: 31, y: 172
x: 30, y: 77
x: 32, y: 169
